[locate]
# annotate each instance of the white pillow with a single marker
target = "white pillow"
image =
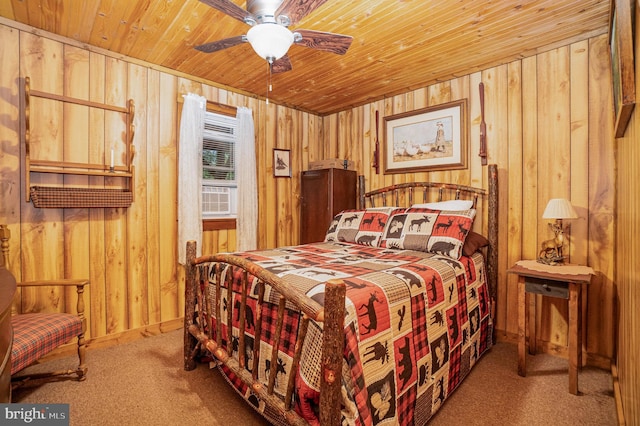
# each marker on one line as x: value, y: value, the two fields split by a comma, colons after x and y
x: 451, y: 205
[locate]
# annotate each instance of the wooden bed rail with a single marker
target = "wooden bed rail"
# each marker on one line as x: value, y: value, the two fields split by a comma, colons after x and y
x: 197, y: 278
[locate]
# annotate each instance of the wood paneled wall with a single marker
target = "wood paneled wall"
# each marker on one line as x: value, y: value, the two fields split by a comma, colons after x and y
x: 548, y: 118
x: 548, y: 130
x: 129, y: 254
x: 628, y: 251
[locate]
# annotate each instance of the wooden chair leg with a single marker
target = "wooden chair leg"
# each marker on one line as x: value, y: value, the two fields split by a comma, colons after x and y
x: 82, y: 349
x: 82, y: 345
x: 80, y: 372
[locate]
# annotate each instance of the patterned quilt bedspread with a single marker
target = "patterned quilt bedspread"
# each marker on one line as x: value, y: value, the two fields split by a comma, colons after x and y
x: 416, y: 324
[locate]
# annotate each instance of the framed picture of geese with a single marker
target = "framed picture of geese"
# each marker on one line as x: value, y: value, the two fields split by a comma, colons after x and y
x: 432, y: 138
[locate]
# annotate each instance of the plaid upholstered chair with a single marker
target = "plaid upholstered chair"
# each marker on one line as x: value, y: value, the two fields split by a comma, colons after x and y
x: 37, y: 334
x: 7, y: 290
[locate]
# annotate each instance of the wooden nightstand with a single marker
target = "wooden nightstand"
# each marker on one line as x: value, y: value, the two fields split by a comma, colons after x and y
x: 562, y: 281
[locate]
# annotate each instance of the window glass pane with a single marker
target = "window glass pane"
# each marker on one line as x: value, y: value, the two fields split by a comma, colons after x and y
x: 218, y: 160
x: 218, y: 166
x: 218, y: 155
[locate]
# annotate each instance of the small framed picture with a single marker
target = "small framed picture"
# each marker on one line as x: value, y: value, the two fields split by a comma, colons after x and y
x: 281, y: 163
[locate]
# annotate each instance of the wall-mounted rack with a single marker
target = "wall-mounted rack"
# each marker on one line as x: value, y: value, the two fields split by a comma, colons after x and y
x: 61, y: 197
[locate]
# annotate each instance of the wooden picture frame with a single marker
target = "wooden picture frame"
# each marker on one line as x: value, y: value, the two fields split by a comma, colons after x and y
x: 432, y: 138
x: 622, y: 64
x: 281, y: 162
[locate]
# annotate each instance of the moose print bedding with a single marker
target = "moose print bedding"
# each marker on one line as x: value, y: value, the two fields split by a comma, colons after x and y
x: 417, y: 320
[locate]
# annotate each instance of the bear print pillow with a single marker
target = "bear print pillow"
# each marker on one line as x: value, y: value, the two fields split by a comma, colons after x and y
x: 435, y: 231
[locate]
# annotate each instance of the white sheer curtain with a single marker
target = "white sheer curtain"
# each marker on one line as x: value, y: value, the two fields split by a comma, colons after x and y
x: 247, y: 221
x: 190, y: 174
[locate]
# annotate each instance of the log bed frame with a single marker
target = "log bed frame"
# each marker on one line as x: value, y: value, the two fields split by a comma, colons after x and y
x: 332, y: 316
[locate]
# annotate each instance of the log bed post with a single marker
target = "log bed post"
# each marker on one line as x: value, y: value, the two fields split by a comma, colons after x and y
x: 492, y: 252
x: 332, y: 353
x: 361, y: 191
x: 189, y: 306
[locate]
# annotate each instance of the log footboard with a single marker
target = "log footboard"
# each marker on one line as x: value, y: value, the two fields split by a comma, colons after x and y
x: 197, y: 337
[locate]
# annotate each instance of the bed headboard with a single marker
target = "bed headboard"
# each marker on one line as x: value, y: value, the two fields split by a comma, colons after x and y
x: 418, y: 192
x: 412, y: 190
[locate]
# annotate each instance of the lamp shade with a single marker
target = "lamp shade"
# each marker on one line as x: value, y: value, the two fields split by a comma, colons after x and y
x: 270, y: 41
x: 559, y: 208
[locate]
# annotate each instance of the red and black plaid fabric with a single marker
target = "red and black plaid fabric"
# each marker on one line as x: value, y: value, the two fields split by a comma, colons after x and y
x: 416, y: 323
x: 406, y: 406
x: 35, y: 335
x: 289, y: 327
x: 419, y: 319
x: 454, y: 369
x: 352, y: 356
x: 234, y: 380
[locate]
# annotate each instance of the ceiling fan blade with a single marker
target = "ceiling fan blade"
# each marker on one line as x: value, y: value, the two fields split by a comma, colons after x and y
x: 297, y: 9
x: 230, y: 9
x: 281, y: 65
x: 214, y: 46
x: 328, y: 42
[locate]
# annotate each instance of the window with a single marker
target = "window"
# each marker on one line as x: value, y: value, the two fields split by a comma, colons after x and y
x: 219, y: 187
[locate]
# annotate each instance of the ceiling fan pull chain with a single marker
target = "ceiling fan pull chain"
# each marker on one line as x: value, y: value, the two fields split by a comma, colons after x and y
x: 270, y: 88
x: 269, y: 64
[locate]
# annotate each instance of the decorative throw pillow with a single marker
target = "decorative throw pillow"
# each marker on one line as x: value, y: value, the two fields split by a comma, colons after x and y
x: 362, y: 227
x: 473, y: 243
x: 443, y: 232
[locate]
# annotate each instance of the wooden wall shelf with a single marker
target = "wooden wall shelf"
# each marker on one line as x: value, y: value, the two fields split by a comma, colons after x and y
x: 56, y: 197
x: 62, y: 197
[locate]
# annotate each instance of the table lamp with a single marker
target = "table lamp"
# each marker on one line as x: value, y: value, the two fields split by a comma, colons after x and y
x: 558, y: 209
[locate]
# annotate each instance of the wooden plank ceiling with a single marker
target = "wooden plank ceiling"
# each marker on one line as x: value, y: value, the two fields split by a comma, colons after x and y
x: 398, y: 45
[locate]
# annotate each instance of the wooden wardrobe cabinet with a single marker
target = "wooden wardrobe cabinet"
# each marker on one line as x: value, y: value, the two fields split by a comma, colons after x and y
x: 324, y: 193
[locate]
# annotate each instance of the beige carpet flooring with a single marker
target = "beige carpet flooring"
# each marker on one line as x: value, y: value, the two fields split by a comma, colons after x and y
x: 143, y: 383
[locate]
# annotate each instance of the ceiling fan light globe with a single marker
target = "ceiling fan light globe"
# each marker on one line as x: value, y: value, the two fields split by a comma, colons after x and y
x: 270, y: 40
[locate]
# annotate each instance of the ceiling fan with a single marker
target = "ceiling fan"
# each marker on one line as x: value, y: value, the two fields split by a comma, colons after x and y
x: 269, y: 34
